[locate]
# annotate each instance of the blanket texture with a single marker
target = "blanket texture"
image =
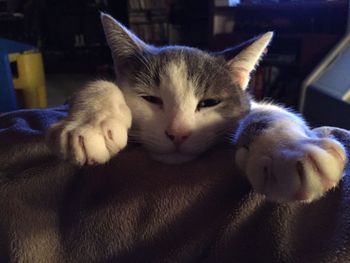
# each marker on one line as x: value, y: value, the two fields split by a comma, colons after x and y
x: 134, y: 209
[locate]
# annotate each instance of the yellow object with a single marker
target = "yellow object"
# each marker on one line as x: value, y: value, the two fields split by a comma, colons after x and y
x: 31, y: 78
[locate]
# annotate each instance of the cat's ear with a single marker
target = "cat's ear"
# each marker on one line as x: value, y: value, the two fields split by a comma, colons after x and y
x: 242, y: 64
x: 122, y: 42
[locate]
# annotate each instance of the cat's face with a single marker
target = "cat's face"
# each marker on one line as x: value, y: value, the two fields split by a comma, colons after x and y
x: 183, y: 100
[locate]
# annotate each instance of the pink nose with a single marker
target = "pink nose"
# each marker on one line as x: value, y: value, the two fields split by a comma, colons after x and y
x: 178, y: 137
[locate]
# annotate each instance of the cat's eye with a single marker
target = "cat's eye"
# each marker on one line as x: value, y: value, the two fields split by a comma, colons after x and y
x: 153, y: 100
x: 207, y: 103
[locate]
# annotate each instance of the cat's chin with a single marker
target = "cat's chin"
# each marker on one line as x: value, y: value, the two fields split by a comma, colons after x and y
x: 173, y: 158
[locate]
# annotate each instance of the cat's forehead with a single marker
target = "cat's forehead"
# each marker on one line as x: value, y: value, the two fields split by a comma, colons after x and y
x: 181, y: 64
x: 194, y: 59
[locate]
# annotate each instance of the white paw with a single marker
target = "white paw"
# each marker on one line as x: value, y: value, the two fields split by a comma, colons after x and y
x: 287, y: 169
x: 92, y: 141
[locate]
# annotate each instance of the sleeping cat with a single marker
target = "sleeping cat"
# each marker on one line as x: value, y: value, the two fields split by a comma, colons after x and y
x: 179, y: 102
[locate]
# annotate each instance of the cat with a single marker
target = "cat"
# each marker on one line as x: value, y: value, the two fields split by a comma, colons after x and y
x: 179, y: 101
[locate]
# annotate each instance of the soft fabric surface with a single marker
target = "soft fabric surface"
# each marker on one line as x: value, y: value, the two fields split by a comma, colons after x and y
x: 134, y: 209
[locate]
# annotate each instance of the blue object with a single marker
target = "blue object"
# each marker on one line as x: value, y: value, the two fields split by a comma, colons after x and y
x: 7, y: 92
x: 11, y: 46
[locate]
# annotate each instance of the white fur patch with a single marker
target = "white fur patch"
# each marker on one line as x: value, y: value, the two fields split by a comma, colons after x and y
x: 96, y: 128
x: 286, y: 164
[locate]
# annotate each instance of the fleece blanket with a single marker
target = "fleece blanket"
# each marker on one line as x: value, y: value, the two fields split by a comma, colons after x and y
x: 134, y: 209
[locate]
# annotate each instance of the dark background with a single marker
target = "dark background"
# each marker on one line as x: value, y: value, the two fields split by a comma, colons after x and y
x: 71, y: 39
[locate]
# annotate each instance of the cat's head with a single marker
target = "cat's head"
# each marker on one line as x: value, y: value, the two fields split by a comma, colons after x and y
x: 183, y: 100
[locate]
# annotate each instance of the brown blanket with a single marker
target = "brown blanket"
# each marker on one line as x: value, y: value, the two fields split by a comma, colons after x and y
x: 134, y: 209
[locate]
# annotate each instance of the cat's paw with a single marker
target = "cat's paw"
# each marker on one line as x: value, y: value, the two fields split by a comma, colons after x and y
x: 96, y: 127
x: 88, y: 142
x: 286, y: 167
